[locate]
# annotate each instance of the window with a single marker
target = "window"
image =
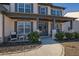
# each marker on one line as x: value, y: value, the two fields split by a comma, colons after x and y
x: 53, y: 12
x: 21, y: 7
x: 56, y: 12
x: 43, y: 10
x: 23, y: 28
x: 28, y: 8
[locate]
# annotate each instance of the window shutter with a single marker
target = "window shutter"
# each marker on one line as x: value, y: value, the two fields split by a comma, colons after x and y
x: 15, y: 7
x: 32, y: 8
x: 15, y: 26
x: 39, y: 9
x: 46, y: 11
x: 31, y: 26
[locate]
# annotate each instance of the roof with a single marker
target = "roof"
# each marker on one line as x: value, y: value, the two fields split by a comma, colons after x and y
x: 2, y: 8
x: 16, y: 15
x: 72, y: 14
x: 51, y: 5
x: 47, y: 4
x: 5, y: 3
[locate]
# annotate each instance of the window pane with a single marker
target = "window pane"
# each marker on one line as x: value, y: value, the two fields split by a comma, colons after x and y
x: 21, y: 9
x: 27, y: 27
x: 20, y: 28
x: 28, y: 8
x: 21, y: 4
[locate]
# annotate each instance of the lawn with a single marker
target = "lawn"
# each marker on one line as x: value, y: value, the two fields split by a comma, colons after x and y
x: 71, y: 48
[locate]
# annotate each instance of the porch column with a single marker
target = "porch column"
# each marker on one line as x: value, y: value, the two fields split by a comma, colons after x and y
x: 53, y: 28
x: 37, y: 24
x: 54, y: 24
x: 71, y: 26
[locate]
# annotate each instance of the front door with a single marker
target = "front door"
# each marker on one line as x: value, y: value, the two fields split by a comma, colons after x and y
x: 43, y: 28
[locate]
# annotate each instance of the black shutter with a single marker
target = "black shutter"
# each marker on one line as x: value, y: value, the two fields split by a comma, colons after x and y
x: 39, y: 10
x: 46, y: 10
x: 15, y: 7
x: 32, y: 8
x: 15, y: 26
x: 31, y: 26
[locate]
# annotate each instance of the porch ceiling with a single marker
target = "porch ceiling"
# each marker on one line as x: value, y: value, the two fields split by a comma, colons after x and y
x: 15, y: 15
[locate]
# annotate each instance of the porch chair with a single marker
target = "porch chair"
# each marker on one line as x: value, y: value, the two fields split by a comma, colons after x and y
x: 13, y: 36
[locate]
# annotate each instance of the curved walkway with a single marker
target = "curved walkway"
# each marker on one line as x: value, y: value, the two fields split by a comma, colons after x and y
x: 49, y: 48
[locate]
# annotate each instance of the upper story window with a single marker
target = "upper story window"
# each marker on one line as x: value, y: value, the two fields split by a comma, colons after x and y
x: 24, y: 7
x: 56, y: 12
x: 43, y: 10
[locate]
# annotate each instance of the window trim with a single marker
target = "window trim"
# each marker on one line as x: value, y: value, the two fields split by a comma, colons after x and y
x: 56, y: 12
x: 24, y: 27
x: 17, y: 7
x: 46, y: 10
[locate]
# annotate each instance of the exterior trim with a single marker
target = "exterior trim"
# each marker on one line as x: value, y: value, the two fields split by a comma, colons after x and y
x: 15, y: 26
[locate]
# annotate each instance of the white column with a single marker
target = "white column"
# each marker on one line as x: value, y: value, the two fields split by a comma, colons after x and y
x: 1, y: 28
x: 49, y: 28
x: 34, y: 25
x: 54, y: 28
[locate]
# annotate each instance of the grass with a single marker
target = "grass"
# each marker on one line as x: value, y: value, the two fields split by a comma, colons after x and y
x: 71, y: 48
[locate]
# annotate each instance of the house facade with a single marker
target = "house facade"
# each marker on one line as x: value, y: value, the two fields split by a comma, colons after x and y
x: 66, y: 25
x: 24, y: 18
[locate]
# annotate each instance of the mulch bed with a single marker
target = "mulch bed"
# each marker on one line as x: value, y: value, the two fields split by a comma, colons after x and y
x: 17, y: 47
x: 5, y: 44
x: 70, y: 40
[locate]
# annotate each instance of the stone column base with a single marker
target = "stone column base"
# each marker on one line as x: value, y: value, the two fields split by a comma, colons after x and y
x: 53, y: 33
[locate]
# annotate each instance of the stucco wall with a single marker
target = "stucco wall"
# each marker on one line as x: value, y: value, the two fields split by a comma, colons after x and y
x: 75, y: 26
x: 9, y: 26
x: 12, y: 7
x: 65, y: 26
x: 35, y: 8
x: 1, y: 28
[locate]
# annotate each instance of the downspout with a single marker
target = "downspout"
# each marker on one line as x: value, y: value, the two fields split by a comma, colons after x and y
x: 3, y: 28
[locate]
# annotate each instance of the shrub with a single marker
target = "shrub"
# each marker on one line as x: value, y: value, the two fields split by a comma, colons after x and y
x: 76, y: 35
x: 69, y: 35
x: 59, y: 36
x: 33, y: 37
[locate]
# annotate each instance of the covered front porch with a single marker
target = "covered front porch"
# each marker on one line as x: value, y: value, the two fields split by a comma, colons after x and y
x: 23, y: 23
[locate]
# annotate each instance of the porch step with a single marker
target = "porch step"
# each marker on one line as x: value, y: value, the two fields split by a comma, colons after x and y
x: 42, y: 37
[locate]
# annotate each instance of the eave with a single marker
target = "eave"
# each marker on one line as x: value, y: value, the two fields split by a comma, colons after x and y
x: 15, y: 15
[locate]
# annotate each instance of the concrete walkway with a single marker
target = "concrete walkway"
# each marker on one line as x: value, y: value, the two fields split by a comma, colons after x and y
x: 49, y: 48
